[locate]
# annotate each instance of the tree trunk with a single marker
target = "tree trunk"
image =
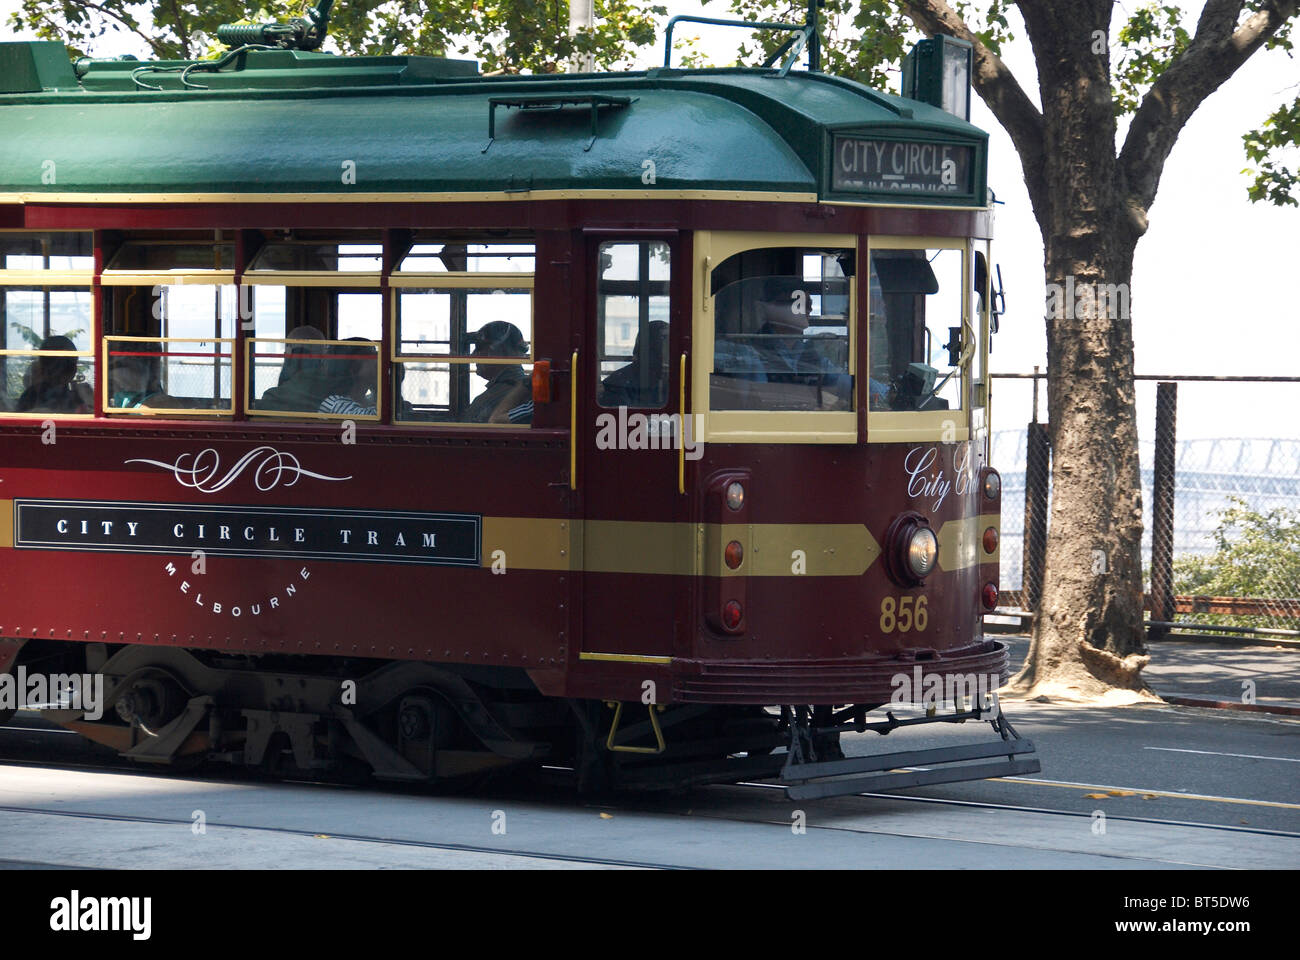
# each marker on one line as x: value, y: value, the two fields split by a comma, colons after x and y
x: 1087, y: 633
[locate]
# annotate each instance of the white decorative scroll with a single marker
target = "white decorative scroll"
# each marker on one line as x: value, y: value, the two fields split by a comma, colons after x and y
x: 271, y: 468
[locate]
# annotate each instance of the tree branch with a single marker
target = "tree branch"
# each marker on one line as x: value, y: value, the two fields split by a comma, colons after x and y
x: 153, y: 45
x: 996, y: 85
x: 1216, y: 52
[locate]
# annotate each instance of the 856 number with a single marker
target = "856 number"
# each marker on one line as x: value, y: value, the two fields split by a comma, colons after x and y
x: 903, y: 614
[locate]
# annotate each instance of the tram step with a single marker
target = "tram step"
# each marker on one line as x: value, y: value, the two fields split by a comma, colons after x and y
x: 835, y: 778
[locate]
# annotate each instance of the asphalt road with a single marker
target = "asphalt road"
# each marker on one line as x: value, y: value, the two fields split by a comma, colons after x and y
x: 1124, y: 787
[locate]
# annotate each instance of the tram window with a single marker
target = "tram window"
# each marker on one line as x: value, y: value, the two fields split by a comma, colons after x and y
x: 169, y: 347
x: 46, y: 251
x: 480, y: 337
x: 504, y: 257
x: 45, y: 319
x: 632, y: 300
x: 314, y: 351
x: 979, y: 298
x: 781, y: 330
x: 303, y: 256
x: 172, y: 255
x: 916, y: 329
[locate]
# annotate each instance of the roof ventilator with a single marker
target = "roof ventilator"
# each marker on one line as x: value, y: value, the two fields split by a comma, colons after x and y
x: 553, y: 103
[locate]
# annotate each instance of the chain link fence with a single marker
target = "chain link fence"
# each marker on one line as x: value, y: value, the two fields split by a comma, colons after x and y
x: 1220, y: 469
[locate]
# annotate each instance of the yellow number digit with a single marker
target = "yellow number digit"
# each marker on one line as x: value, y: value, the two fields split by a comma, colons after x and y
x: 887, y: 615
x: 904, y: 614
x: 922, y: 618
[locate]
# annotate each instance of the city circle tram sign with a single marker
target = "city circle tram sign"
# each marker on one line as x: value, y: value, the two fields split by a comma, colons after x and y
x: 375, y: 536
x: 902, y: 168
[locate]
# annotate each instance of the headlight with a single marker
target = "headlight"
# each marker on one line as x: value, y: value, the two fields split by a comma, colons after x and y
x: 922, y: 551
x: 735, y: 495
x: 992, y: 485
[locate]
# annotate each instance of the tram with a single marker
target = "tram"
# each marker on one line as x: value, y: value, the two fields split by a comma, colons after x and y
x: 368, y: 411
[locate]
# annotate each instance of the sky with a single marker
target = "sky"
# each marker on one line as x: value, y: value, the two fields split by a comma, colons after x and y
x: 1214, y: 281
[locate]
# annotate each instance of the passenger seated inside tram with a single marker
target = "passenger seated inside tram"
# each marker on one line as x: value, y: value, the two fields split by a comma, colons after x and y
x: 132, y: 381
x: 791, y: 355
x: 52, y: 387
x: 351, y: 379
x: 509, y: 386
x: 298, y: 357
x: 644, y: 381
x: 304, y: 380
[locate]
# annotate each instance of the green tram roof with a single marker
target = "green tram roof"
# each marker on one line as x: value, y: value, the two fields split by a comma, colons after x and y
x: 287, y: 122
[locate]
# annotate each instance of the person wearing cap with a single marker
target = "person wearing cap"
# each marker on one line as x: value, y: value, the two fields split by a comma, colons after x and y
x: 508, y: 385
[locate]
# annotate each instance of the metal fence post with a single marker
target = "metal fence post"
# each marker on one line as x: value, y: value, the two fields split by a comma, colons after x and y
x: 1162, y: 510
x: 1037, y: 472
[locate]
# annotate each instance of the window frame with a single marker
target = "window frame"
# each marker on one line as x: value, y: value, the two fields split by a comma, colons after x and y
x: 714, y: 247
x: 899, y: 426
x: 601, y: 329
x: 46, y: 281
x: 429, y: 280
x: 105, y: 395
x: 349, y: 280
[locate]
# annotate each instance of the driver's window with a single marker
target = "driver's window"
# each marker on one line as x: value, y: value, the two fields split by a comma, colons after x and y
x: 917, y: 336
x: 781, y: 330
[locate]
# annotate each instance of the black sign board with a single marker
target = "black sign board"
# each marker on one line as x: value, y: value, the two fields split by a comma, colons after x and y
x: 376, y: 536
x: 862, y: 165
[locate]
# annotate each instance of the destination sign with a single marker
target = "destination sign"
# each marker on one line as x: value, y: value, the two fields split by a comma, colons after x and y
x: 862, y: 165
x: 375, y: 536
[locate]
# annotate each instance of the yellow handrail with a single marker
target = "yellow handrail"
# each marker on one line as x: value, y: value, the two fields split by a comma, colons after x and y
x: 573, y: 421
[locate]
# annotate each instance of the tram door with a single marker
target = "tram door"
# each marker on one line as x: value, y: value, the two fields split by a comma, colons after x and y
x: 636, y: 538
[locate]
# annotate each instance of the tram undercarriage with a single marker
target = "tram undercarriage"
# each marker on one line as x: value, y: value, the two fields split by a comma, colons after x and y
x: 416, y: 722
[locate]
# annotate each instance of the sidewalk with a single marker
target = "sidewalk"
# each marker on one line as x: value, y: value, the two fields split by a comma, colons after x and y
x: 1209, y: 674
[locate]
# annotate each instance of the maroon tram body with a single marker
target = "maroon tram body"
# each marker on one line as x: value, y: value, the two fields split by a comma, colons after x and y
x: 513, y: 592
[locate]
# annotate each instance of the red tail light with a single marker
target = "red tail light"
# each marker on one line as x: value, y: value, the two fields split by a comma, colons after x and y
x: 732, y: 614
x: 989, y: 596
x: 734, y: 554
x: 990, y: 540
